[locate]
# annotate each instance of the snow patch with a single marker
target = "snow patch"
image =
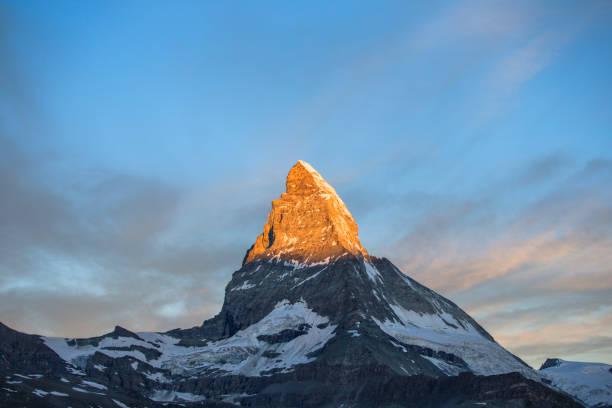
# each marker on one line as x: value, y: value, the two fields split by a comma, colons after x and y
x: 79, y: 389
x: 40, y: 393
x: 175, y: 396
x: 120, y: 404
x: 591, y: 382
x: 73, y: 370
x: 404, y: 278
x: 234, y: 398
x: 399, y: 346
x: 95, y: 385
x: 78, y: 355
x: 484, y: 357
x: 242, y: 353
x: 310, y: 277
x: 159, y: 377
x: 372, y: 272
x: 245, y: 285
x: 445, y: 367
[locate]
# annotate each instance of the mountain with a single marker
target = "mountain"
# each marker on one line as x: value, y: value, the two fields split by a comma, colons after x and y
x: 311, y: 319
x: 33, y: 375
x: 590, y: 382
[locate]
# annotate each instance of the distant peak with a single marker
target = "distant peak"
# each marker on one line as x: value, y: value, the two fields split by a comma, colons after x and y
x: 308, y: 224
x: 119, y: 331
x: 551, y: 362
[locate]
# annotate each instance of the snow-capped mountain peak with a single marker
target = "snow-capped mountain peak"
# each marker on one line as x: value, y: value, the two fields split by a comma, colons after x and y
x: 307, y: 224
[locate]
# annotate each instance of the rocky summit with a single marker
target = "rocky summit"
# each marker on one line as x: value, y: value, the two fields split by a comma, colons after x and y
x: 308, y: 224
x: 309, y: 320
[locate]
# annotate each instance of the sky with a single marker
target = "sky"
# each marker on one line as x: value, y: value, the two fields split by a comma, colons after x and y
x: 142, y: 142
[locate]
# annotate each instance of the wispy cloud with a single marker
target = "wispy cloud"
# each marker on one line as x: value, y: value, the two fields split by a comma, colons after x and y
x: 552, y: 255
x: 535, y: 46
x: 116, y: 245
x: 579, y: 338
x: 475, y: 21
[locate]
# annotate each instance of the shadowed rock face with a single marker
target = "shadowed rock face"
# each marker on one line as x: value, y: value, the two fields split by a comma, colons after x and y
x: 308, y: 224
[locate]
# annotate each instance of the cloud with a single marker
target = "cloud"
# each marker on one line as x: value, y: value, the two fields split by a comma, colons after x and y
x: 73, y: 314
x: 531, y: 270
x: 543, y: 169
x: 112, y: 247
x: 561, y: 225
x: 518, y: 67
x: 539, y: 42
x: 475, y: 21
x: 566, y: 339
x: 590, y: 349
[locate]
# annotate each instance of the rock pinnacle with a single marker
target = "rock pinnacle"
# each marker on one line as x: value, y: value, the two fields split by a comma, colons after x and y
x: 307, y: 224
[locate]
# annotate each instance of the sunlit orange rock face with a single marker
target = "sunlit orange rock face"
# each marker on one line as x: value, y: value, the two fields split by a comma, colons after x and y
x: 308, y: 224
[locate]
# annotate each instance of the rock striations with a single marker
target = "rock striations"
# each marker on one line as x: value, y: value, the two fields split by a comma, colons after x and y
x: 309, y: 320
x: 308, y: 224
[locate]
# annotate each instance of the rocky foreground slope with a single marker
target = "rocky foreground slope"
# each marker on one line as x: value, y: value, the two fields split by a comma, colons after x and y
x: 309, y: 320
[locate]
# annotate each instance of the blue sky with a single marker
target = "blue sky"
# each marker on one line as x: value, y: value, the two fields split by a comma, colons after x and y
x: 142, y: 142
